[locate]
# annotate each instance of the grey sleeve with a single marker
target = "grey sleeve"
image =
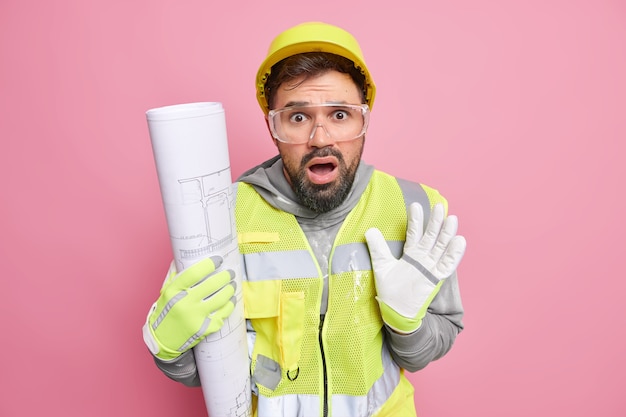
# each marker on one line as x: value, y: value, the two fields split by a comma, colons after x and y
x: 434, y: 338
x: 182, y: 369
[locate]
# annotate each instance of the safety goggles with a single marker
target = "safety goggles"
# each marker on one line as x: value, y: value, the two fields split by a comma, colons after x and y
x: 298, y: 124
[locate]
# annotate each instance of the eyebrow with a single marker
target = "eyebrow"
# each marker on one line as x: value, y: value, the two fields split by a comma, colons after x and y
x: 306, y: 103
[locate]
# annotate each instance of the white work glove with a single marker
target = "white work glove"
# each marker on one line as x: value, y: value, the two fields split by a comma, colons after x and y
x: 193, y: 304
x: 405, y: 287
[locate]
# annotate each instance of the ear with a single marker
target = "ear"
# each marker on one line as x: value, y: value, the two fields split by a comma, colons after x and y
x: 267, y: 124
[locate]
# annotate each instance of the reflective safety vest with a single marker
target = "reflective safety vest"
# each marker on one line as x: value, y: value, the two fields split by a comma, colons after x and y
x: 304, y: 364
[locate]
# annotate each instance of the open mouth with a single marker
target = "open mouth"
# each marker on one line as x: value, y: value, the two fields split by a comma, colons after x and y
x: 323, y: 170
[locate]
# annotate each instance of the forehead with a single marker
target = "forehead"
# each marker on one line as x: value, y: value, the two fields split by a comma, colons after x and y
x: 329, y: 87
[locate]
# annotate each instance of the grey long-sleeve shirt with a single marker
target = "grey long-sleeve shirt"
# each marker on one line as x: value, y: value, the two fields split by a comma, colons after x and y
x: 443, y: 321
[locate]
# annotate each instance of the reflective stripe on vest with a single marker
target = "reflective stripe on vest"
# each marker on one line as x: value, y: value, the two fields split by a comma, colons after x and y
x: 296, y: 264
x: 356, y: 256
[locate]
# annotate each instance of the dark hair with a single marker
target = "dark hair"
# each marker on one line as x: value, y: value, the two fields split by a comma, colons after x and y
x: 311, y: 64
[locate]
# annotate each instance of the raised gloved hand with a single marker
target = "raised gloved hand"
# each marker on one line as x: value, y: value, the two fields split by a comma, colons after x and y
x: 192, y: 305
x: 407, y: 286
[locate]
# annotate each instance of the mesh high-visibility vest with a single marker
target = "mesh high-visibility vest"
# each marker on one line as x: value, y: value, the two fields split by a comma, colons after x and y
x: 302, y: 365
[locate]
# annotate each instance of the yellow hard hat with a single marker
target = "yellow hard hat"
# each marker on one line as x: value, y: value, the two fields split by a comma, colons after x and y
x: 313, y: 37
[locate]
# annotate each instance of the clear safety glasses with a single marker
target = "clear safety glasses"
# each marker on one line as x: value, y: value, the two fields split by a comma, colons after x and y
x: 339, y: 122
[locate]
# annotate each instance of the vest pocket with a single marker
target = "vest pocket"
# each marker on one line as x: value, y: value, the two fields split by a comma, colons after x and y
x: 278, y: 320
x: 291, y: 325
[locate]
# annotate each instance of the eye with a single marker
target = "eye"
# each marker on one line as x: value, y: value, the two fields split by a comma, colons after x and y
x: 340, y: 115
x: 298, y: 118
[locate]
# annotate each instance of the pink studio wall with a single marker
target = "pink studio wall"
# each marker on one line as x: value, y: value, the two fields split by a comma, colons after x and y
x: 514, y: 110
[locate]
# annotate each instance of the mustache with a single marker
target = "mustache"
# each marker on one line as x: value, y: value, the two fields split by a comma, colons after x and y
x: 322, y: 153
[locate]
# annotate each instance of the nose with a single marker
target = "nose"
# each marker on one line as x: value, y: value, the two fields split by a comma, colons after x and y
x: 320, y: 138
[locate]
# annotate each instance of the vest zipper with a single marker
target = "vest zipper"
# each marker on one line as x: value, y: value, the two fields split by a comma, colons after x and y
x: 325, y: 394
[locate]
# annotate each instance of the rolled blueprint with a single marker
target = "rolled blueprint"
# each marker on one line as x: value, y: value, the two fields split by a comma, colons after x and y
x: 190, y: 150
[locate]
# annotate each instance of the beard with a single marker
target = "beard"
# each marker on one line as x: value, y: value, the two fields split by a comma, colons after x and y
x: 322, y: 198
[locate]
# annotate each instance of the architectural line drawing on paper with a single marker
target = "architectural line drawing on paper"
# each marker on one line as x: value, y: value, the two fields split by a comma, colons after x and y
x: 240, y: 409
x: 208, y: 200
